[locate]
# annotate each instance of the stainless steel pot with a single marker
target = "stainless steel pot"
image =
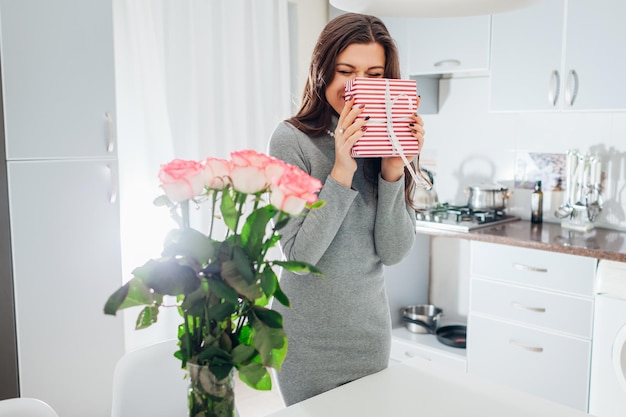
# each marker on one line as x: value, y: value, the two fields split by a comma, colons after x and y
x: 487, y: 196
x: 421, y: 318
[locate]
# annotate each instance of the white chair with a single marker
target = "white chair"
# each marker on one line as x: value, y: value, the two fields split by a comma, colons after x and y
x: 150, y: 382
x: 25, y: 407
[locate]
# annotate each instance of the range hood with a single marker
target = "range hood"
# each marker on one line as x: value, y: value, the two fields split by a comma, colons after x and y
x: 430, y: 8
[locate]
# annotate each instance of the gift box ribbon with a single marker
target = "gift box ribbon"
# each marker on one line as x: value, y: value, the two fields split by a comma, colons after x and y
x: 397, y: 146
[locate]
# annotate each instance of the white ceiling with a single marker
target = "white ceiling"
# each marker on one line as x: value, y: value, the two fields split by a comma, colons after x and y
x: 430, y: 8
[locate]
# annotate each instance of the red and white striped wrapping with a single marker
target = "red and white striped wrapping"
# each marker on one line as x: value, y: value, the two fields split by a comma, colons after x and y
x: 383, y: 97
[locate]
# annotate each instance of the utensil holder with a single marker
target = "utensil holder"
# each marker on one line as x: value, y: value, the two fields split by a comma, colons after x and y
x: 578, y: 220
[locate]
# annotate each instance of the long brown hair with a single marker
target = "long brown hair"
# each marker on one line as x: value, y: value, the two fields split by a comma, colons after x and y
x: 315, y: 114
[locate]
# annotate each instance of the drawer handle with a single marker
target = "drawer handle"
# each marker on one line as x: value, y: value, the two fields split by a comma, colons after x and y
x: 410, y: 354
x: 526, y: 347
x: 525, y: 307
x: 447, y: 63
x: 114, y: 181
x: 522, y: 267
x: 111, y: 128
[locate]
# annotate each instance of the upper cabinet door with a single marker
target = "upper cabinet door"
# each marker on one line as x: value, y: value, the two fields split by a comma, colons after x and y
x: 595, y: 59
x: 58, y: 78
x: 449, y: 45
x: 575, y: 61
x: 526, y: 50
x: 397, y: 27
x: 441, y: 45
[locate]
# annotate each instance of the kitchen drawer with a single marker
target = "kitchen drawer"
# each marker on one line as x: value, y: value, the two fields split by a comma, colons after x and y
x: 555, y: 367
x: 564, y: 313
x: 406, y: 345
x: 542, y: 269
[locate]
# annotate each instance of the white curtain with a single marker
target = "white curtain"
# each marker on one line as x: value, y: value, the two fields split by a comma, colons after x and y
x: 194, y: 78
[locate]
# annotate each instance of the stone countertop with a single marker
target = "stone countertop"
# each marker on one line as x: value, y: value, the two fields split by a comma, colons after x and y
x: 597, y: 243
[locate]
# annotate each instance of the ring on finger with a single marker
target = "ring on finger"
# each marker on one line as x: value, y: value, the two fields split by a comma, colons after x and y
x: 341, y: 130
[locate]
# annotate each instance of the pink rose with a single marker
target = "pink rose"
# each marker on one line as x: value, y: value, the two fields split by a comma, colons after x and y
x: 181, y: 179
x: 216, y: 173
x: 293, y: 190
x: 274, y: 169
x: 248, y: 171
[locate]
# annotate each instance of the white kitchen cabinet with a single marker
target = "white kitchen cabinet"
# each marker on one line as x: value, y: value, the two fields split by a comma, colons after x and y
x: 406, y: 345
x: 536, y: 268
x: 58, y: 86
x: 66, y: 260
x: 58, y: 71
x: 398, y: 27
x: 595, y: 62
x: 530, y: 320
x: 554, y: 311
x: 575, y: 62
x: 546, y: 364
x: 449, y: 45
x: 442, y: 45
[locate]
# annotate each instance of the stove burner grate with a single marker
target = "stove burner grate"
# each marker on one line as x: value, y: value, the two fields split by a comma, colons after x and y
x: 461, y: 218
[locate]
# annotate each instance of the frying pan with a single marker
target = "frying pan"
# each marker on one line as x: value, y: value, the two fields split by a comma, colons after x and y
x: 453, y: 335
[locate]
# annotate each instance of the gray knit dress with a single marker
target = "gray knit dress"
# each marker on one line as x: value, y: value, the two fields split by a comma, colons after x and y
x: 338, y: 327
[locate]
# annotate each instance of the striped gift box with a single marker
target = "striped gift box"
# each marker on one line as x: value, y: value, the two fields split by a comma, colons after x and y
x: 372, y: 92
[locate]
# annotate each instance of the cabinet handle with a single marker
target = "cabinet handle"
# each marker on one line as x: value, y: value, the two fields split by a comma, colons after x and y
x: 522, y: 267
x: 571, y: 89
x: 447, y: 63
x: 554, y: 88
x: 111, y: 128
x: 537, y: 349
x: 410, y: 354
x: 525, y: 307
x: 113, y: 180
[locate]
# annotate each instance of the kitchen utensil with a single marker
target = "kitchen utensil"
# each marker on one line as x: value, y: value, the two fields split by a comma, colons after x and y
x: 571, y: 163
x: 564, y: 210
x: 451, y: 335
x: 581, y: 176
x: 425, y: 198
x: 426, y: 180
x: 487, y: 196
x: 594, y: 207
x: 420, y: 318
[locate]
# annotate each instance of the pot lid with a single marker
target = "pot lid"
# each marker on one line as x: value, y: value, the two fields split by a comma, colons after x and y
x: 488, y: 187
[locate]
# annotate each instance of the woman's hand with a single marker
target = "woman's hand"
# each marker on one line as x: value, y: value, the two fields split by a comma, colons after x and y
x: 392, y: 167
x: 349, y: 131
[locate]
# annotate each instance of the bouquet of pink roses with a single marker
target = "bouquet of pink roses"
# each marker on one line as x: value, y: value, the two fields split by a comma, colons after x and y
x: 223, y: 287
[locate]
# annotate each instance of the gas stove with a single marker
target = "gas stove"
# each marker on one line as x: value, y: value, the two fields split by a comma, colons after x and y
x: 461, y: 218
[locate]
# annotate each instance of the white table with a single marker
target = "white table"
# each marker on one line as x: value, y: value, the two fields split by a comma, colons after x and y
x: 418, y: 387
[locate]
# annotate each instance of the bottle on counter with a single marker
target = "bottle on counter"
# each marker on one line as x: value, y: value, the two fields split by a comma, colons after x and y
x: 536, y: 204
x: 536, y: 232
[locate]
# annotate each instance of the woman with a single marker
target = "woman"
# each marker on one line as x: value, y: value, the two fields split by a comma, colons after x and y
x: 339, y: 327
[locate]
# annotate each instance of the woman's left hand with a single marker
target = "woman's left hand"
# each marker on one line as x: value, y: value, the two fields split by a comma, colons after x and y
x: 392, y: 167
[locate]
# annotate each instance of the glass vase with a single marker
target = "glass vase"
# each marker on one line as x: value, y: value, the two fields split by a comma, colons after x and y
x: 208, y: 396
